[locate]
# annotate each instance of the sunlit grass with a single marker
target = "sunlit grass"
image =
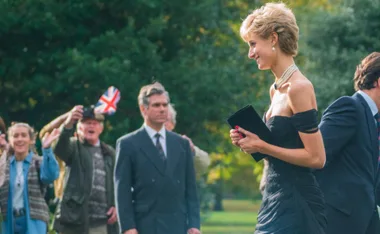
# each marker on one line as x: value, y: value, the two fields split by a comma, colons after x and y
x: 239, y: 217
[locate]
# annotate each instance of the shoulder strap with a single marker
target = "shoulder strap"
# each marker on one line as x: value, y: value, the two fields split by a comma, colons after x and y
x: 37, y: 165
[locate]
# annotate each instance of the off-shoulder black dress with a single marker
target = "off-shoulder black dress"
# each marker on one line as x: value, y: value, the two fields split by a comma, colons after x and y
x: 292, y: 201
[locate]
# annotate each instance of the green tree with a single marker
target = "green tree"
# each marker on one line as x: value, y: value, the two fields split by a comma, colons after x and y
x: 56, y: 54
x: 336, y: 43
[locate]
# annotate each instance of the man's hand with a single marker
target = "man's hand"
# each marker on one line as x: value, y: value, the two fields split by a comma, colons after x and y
x: 112, y: 214
x: 193, y: 231
x: 190, y: 141
x: 131, y: 231
x: 75, y: 114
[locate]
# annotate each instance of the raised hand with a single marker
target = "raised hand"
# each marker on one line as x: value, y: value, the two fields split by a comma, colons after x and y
x: 49, y: 138
x: 75, y: 114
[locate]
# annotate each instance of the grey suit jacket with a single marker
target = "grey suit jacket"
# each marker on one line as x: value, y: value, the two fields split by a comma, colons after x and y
x: 152, y: 195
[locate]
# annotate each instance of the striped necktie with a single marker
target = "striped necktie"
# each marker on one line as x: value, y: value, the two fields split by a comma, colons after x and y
x: 159, y: 147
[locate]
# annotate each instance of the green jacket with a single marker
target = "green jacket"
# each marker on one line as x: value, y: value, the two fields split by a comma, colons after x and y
x: 72, y: 211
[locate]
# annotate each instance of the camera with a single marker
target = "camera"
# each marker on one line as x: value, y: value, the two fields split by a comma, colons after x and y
x: 88, y: 112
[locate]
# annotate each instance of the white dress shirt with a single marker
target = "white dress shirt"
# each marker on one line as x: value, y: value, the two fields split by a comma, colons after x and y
x: 371, y: 103
x: 18, y: 199
x: 151, y: 133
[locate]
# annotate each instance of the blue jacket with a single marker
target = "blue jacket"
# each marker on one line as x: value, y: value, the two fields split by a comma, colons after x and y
x: 49, y: 172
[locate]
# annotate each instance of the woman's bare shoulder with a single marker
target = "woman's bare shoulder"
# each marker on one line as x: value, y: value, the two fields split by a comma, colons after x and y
x: 301, y: 95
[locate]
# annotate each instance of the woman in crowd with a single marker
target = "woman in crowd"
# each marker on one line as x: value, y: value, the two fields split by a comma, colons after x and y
x: 23, y: 207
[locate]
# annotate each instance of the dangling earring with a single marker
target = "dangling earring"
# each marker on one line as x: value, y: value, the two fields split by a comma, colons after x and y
x: 273, y: 48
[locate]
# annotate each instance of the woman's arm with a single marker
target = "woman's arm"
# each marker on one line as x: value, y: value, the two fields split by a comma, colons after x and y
x: 301, y: 98
x: 49, y: 165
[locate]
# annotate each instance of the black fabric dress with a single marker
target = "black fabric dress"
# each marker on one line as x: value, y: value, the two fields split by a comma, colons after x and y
x: 292, y: 201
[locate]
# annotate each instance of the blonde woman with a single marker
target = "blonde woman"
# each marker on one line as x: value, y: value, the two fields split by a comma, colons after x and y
x: 292, y: 200
x: 22, y: 195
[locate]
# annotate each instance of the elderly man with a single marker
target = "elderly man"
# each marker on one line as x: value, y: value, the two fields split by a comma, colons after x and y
x: 201, y: 158
x: 87, y: 205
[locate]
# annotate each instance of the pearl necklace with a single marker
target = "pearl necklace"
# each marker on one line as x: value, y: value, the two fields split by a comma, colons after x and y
x: 285, y: 76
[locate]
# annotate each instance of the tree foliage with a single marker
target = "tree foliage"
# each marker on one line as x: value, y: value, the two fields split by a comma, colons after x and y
x: 336, y: 43
x: 56, y: 54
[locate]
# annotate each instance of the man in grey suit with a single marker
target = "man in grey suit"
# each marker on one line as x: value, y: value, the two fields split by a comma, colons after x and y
x: 154, y: 174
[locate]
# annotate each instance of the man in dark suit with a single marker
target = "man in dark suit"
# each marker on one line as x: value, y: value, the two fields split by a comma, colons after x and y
x: 349, y: 178
x: 154, y: 175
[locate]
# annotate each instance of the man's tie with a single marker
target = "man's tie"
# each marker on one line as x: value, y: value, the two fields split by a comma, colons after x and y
x: 377, y: 117
x: 159, y: 147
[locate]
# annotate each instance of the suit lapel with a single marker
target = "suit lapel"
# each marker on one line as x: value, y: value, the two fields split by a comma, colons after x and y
x: 173, y: 150
x: 150, y: 151
x: 372, y: 128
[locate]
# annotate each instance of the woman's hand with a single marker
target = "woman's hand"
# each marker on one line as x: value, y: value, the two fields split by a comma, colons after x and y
x: 235, y: 137
x: 48, y: 138
x: 251, y: 143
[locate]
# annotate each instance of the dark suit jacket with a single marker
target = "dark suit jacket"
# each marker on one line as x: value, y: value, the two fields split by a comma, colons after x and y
x: 164, y: 197
x: 349, y: 177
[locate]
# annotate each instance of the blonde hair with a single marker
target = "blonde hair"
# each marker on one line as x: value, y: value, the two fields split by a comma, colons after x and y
x: 32, y: 134
x: 273, y: 18
x: 172, y: 113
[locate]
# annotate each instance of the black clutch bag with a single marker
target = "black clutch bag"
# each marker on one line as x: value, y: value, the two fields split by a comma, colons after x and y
x: 248, y: 119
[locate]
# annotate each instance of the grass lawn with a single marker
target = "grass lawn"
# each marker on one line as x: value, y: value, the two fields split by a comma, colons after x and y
x: 239, y: 217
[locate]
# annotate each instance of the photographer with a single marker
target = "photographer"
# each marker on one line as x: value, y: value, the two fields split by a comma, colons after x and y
x: 87, y: 205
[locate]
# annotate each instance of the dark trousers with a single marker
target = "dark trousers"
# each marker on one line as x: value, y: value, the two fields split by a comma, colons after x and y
x: 374, y: 226
x: 337, y: 222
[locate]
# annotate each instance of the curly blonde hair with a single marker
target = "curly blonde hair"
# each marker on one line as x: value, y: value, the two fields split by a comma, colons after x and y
x: 273, y: 18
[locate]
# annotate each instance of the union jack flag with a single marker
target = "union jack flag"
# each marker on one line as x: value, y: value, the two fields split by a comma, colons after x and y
x: 107, y: 102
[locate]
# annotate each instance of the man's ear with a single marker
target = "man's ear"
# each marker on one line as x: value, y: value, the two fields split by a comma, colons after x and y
x: 101, y: 127
x: 143, y: 109
x: 377, y: 82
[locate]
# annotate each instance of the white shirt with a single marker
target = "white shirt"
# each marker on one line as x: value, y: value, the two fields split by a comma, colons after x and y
x: 151, y: 133
x: 371, y: 103
x: 18, y: 192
